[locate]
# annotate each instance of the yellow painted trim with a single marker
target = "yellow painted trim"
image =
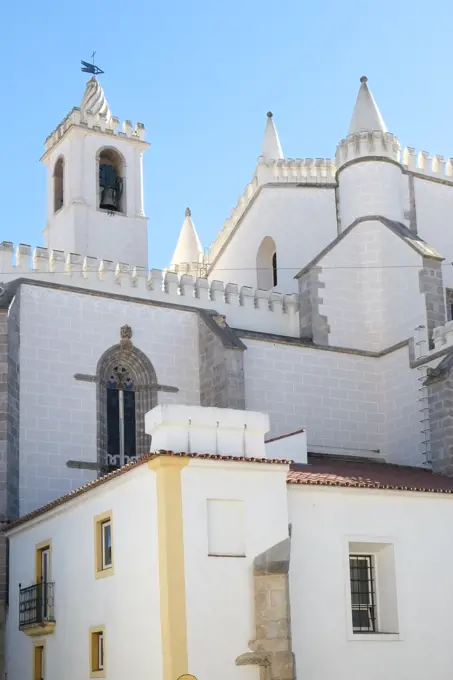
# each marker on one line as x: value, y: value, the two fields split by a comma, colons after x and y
x: 39, y: 547
x: 42, y: 645
x: 92, y: 640
x: 171, y: 564
x: 99, y: 572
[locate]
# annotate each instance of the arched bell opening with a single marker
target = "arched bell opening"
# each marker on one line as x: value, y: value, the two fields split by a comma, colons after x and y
x: 111, y: 181
x: 58, y: 185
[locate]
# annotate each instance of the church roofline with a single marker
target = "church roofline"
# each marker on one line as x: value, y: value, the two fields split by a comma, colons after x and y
x: 398, y: 228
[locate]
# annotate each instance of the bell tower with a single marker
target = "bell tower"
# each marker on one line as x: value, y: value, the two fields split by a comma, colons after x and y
x: 95, y: 184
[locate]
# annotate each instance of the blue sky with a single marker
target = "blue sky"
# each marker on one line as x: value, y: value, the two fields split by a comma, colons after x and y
x: 201, y: 75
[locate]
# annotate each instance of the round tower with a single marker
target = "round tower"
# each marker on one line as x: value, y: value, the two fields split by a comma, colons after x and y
x: 368, y: 165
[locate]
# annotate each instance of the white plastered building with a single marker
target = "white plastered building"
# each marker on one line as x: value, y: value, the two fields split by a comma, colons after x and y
x: 321, y: 302
x: 235, y: 563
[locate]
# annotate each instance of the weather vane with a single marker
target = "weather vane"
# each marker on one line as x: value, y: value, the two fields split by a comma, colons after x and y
x: 91, y: 68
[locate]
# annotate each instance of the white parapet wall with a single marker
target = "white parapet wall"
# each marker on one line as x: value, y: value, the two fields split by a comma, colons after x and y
x: 199, y: 429
x: 99, y: 123
x: 423, y: 163
x: 256, y: 310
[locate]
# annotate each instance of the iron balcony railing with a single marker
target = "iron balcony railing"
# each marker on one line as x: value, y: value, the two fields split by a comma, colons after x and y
x: 36, y: 604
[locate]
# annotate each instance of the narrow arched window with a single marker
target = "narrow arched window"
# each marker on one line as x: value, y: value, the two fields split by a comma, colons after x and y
x: 58, y: 185
x: 121, y: 417
x: 111, y: 181
x: 126, y: 392
x: 266, y: 264
x: 274, y: 268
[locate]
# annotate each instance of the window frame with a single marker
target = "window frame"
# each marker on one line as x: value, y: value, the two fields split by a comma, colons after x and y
x: 96, y: 650
x: 371, y: 580
x: 388, y: 584
x: 104, y: 525
x: 39, y: 654
x: 102, y: 569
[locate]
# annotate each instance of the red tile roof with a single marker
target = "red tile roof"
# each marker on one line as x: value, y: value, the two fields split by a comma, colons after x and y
x: 321, y: 470
x: 126, y: 468
x: 367, y: 474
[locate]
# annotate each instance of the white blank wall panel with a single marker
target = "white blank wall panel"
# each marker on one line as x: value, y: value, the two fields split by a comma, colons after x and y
x: 226, y: 527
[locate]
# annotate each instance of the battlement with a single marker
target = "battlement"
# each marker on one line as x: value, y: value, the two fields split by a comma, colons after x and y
x: 431, y: 166
x: 375, y: 143
x: 285, y: 171
x: 257, y: 310
x: 297, y: 170
x: 98, y: 123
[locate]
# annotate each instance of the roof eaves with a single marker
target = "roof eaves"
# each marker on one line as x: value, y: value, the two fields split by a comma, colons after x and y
x: 127, y: 468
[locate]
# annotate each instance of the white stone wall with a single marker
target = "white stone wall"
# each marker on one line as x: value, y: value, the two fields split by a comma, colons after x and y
x: 347, y: 403
x: 372, y: 296
x: 418, y: 525
x: 370, y: 188
x: 301, y: 221
x: 434, y: 205
x: 126, y: 603
x: 219, y: 590
x: 63, y: 333
x: 401, y: 408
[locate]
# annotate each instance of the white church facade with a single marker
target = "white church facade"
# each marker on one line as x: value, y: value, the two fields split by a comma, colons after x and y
x: 324, y: 302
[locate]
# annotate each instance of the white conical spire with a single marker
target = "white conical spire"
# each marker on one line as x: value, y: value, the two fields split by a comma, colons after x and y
x: 94, y: 99
x: 366, y: 116
x: 271, y: 149
x: 188, y: 249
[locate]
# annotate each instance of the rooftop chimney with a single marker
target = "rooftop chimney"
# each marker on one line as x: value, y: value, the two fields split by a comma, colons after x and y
x: 199, y: 429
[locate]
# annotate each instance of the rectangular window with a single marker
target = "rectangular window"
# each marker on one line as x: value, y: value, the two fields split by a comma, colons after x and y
x: 97, y: 652
x: 103, y: 536
x: 373, y: 593
x: 226, y: 528
x: 38, y: 662
x: 363, y: 593
x: 106, y: 529
x: 43, y: 579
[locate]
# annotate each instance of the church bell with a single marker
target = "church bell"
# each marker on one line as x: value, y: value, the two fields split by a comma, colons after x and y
x: 108, y: 198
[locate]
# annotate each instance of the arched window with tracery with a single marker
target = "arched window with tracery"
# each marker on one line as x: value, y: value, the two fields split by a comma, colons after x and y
x: 126, y: 392
x: 266, y: 264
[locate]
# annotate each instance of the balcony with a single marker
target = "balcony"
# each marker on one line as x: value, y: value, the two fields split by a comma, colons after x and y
x: 36, y: 609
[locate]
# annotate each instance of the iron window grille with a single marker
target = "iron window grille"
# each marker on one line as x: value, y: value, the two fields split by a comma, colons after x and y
x: 363, y: 593
x: 36, y: 604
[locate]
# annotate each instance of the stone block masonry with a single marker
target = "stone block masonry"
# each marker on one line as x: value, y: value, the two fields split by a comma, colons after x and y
x: 431, y: 285
x: 221, y: 364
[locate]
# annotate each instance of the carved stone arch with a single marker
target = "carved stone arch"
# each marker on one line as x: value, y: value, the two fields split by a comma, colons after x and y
x: 266, y: 264
x: 112, y: 156
x: 143, y: 378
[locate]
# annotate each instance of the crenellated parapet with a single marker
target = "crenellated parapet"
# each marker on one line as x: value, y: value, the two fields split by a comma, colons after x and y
x: 101, y: 122
x: 423, y: 163
x: 362, y: 144
x: 258, y: 310
x: 296, y: 170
